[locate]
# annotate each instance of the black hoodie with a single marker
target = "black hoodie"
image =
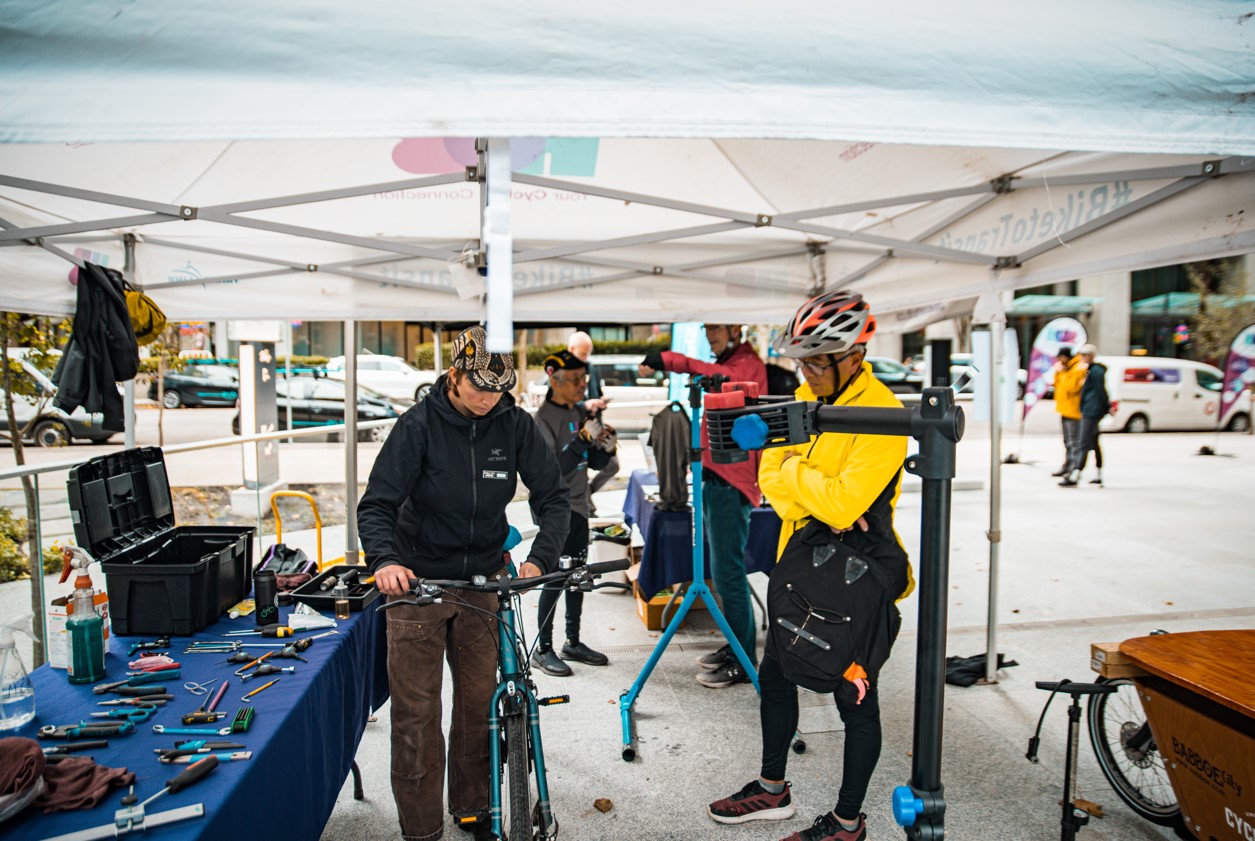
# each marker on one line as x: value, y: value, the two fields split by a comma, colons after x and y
x: 437, y: 494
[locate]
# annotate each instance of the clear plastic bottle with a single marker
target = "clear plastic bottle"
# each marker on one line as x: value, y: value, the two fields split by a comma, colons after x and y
x: 341, y: 595
x: 86, y: 631
x: 17, y: 695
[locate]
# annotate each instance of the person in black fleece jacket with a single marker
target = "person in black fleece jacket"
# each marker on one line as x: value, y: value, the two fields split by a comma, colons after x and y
x: 435, y: 508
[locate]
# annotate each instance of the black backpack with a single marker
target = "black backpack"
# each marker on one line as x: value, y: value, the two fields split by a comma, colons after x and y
x: 830, y: 603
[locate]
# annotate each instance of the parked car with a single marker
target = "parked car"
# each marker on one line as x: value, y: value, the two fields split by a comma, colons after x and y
x: 963, y: 368
x: 621, y: 383
x: 198, y: 385
x: 1156, y: 393
x: 899, y: 378
x: 390, y: 375
x: 49, y: 427
x: 319, y: 401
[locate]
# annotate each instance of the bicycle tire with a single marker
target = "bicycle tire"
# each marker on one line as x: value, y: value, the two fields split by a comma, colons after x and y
x: 1136, y: 773
x: 519, y: 781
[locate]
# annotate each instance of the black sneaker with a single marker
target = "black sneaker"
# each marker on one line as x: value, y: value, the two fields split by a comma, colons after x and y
x: 752, y: 803
x: 550, y: 663
x: 828, y: 828
x: 715, y: 659
x: 1062, y: 471
x: 480, y: 828
x: 1097, y: 480
x: 581, y: 653
x: 1068, y: 482
x: 729, y: 674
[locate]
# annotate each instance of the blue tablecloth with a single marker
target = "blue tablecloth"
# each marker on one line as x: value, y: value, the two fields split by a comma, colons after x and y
x: 303, y: 739
x: 667, y: 557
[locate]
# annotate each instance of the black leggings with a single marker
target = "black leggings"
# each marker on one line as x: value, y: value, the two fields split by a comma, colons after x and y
x: 778, y: 711
x: 577, y: 547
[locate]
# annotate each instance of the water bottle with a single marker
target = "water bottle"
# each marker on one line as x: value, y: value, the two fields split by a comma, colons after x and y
x: 17, y: 696
x: 265, y: 595
x: 86, y: 631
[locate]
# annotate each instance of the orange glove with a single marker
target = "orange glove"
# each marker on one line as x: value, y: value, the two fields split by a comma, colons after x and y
x: 857, y: 676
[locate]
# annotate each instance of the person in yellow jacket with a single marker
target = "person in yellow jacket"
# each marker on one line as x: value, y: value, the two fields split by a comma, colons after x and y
x: 1069, y: 379
x: 848, y: 482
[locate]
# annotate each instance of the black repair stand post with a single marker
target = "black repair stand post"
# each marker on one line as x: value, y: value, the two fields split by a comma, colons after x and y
x: 698, y: 589
x: 937, y: 425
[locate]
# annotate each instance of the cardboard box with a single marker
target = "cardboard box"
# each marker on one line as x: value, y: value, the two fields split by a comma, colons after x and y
x: 58, y: 641
x: 650, y: 611
x: 1107, y: 659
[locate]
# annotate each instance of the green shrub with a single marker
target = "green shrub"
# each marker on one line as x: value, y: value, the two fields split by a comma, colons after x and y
x: 14, y: 565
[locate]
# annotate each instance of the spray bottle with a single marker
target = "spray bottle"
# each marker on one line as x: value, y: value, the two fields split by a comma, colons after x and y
x: 85, y: 627
x: 17, y: 696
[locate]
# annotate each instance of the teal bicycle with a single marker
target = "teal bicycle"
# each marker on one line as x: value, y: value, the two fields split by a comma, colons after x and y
x: 514, y: 742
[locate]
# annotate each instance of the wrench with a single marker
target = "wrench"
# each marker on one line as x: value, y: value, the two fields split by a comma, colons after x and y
x: 191, y: 731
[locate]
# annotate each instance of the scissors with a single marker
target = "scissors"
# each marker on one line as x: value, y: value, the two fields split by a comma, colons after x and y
x: 200, y: 688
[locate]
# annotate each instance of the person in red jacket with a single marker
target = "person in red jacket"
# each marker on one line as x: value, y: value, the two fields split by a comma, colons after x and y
x: 729, y: 493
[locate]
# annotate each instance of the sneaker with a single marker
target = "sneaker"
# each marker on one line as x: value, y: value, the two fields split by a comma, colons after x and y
x: 752, y: 803
x: 1071, y: 480
x: 828, y: 828
x: 715, y: 659
x: 1062, y: 471
x: 581, y: 653
x: 729, y: 674
x: 1097, y: 480
x: 479, y: 830
x: 550, y: 663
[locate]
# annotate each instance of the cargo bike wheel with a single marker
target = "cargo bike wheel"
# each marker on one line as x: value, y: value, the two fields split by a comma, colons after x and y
x: 1128, y: 756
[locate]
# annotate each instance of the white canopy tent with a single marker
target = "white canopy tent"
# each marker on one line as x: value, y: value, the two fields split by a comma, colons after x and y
x: 719, y: 163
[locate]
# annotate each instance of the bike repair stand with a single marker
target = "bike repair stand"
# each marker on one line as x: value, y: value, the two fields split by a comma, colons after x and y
x: 1073, y: 818
x: 698, y: 589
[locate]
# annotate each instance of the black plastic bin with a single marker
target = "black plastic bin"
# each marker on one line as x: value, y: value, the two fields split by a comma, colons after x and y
x: 161, y: 578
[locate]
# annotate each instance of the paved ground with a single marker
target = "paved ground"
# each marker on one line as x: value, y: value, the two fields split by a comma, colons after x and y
x: 1164, y: 544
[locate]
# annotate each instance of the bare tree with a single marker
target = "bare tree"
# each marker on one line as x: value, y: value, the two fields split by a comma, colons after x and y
x: 165, y: 349
x: 17, y: 330
x: 1223, y: 307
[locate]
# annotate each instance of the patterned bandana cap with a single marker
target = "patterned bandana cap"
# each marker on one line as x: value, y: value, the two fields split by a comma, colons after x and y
x: 563, y: 360
x: 488, y: 371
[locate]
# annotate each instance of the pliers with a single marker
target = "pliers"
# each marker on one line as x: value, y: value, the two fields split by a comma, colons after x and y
x: 138, y: 701
x: 135, y: 681
x: 87, y: 730
x: 136, y: 714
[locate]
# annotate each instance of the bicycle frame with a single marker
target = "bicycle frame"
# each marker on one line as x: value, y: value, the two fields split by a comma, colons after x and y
x: 514, y: 687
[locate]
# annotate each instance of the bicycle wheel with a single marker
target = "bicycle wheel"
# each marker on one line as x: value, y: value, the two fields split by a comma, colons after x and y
x: 1128, y: 756
x: 520, y: 822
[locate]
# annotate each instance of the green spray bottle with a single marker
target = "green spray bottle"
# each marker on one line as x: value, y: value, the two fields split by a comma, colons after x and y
x: 85, y: 627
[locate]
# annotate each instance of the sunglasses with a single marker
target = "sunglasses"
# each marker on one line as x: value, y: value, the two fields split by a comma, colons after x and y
x: 816, y: 369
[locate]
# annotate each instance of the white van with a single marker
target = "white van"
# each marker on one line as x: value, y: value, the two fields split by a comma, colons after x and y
x: 1167, y: 394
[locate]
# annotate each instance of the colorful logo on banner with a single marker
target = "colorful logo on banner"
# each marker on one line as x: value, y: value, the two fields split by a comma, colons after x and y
x: 557, y: 156
x: 1057, y: 334
x: 1239, y: 369
x: 89, y: 256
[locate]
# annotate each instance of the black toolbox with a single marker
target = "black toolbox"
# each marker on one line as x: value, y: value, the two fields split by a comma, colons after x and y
x: 161, y: 578
x: 361, y: 596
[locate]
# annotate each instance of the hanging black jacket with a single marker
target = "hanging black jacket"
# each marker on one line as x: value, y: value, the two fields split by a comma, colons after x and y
x: 102, y: 351
x: 437, y: 494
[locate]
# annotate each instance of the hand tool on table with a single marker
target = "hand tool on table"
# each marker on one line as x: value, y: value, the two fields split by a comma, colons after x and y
x: 289, y: 653
x: 200, y: 688
x: 221, y: 757
x: 152, y: 663
x: 243, y: 720
x: 191, y: 731
x: 137, y: 681
x: 133, y: 819
x: 158, y: 699
x: 208, y: 716
x: 162, y: 642
x: 87, y: 730
x: 164, y: 669
x: 256, y: 661
x: 266, y: 669
x: 268, y: 631
x: 71, y: 747
x: 198, y: 746
x: 136, y: 714
x: 249, y: 695
x: 211, y: 646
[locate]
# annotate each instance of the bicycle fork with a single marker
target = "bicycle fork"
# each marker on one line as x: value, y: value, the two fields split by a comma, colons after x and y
x: 496, y: 736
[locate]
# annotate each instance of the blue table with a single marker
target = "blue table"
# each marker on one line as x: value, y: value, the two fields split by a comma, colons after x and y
x: 303, y: 739
x: 667, y: 557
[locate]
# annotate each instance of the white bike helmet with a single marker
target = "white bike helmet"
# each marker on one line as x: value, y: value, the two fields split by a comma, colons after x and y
x: 832, y: 323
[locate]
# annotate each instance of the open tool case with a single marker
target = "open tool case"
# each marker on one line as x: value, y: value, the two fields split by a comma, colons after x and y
x: 361, y: 596
x: 162, y: 578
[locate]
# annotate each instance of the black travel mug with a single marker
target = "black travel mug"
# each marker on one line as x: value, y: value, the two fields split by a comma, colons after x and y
x: 265, y: 595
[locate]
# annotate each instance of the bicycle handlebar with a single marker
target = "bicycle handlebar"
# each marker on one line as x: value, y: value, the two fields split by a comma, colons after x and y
x: 425, y: 591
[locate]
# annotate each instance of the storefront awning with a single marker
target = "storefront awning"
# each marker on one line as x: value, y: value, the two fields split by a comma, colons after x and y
x: 1052, y: 305
x: 1184, y: 303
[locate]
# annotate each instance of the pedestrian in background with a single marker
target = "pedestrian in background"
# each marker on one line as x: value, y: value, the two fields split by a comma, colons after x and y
x: 1095, y: 405
x: 581, y: 345
x: 1069, y: 376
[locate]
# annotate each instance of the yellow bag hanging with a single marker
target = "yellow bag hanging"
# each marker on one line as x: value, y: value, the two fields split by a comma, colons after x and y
x: 147, y: 319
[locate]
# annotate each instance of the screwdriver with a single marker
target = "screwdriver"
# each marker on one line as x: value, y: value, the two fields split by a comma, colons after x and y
x: 268, y: 631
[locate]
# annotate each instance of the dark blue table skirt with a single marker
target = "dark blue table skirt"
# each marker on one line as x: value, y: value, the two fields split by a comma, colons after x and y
x: 304, y: 736
x: 667, y: 557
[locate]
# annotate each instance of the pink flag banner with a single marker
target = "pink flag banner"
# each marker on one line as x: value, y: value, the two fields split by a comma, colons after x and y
x: 1239, y: 370
x: 1059, y: 333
